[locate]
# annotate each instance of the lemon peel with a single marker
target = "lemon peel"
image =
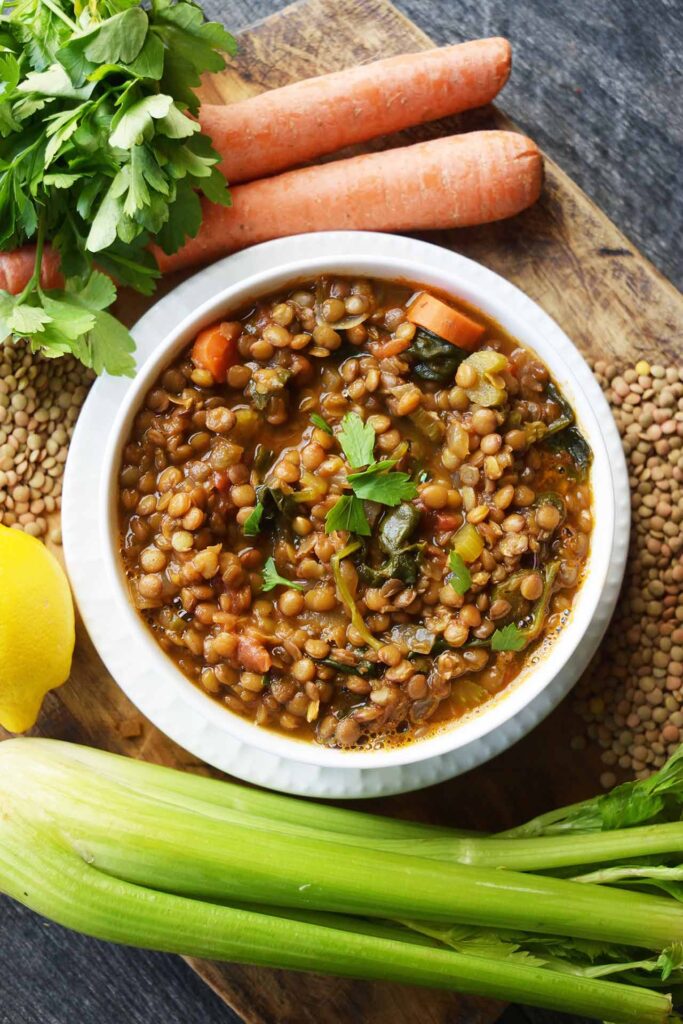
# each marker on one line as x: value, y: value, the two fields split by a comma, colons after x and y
x: 37, y: 633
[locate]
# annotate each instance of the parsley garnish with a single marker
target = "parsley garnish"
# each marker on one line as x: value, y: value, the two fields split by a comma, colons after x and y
x: 461, y: 577
x: 376, y: 482
x: 357, y: 440
x: 252, y: 524
x: 348, y: 514
x: 272, y: 578
x: 318, y: 421
x: 97, y: 156
x: 509, y: 638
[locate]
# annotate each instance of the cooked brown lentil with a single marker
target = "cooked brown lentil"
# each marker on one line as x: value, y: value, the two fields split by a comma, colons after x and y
x: 205, y: 453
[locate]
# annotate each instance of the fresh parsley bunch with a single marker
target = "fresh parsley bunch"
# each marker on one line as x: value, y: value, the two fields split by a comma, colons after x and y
x: 98, y: 154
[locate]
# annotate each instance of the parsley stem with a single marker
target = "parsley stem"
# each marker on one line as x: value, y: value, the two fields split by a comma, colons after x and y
x: 34, y: 281
x: 59, y: 13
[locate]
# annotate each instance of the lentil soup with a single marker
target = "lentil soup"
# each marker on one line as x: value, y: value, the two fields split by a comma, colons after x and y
x: 354, y: 510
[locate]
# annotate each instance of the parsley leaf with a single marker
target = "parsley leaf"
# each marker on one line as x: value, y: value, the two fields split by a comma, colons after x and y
x: 108, y: 347
x: 272, y: 578
x: 129, y: 129
x: 348, y: 514
x: 252, y: 524
x: 321, y: 423
x: 461, y: 577
x: 376, y: 484
x: 509, y: 638
x: 98, y: 155
x: 357, y: 440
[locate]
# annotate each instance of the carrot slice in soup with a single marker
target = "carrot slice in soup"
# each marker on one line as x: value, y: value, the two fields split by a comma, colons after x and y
x: 435, y: 316
x: 215, y: 349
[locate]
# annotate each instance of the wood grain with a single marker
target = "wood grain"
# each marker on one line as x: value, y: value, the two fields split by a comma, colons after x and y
x: 569, y: 257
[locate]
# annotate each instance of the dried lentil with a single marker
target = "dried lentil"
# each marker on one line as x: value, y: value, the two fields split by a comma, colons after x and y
x: 37, y: 423
x: 631, y: 697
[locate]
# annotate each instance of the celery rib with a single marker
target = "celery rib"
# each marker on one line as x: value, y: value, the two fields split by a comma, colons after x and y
x: 37, y: 870
x: 211, y: 796
x: 140, y: 840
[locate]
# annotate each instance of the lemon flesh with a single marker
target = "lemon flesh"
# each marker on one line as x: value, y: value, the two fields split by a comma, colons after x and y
x: 36, y: 627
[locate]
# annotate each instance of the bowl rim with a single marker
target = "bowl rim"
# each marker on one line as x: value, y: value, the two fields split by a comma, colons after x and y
x: 463, y: 278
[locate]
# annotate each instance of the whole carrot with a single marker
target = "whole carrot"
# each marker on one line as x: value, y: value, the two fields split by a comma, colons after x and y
x: 16, y: 269
x: 445, y: 183
x: 289, y: 126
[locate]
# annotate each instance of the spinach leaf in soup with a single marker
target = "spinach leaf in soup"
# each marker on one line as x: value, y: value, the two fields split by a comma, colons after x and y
x: 433, y: 358
x: 276, y: 503
x: 565, y: 416
x: 397, y: 527
x: 572, y: 441
x: 395, y: 531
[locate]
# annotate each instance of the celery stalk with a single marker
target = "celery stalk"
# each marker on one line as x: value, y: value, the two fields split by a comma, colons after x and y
x: 544, y: 853
x: 228, y: 802
x: 38, y: 869
x: 222, y: 799
x: 151, y: 842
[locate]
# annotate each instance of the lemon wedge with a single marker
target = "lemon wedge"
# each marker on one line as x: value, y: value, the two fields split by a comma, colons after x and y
x: 36, y: 627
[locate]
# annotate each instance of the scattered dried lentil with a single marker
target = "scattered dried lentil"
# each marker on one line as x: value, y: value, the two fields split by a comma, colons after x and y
x: 631, y: 698
x: 39, y: 403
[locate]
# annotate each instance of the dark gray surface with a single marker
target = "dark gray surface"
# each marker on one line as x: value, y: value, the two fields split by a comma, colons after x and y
x: 599, y: 87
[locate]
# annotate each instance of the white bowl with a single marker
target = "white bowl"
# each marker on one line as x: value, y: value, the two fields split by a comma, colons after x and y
x: 361, y: 254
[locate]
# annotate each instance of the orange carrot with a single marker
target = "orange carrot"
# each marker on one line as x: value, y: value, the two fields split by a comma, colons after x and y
x: 16, y: 269
x: 215, y: 349
x: 436, y: 316
x: 268, y: 133
x: 445, y: 183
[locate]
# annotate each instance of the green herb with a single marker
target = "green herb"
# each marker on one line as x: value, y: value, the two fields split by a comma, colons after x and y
x: 378, y: 484
x: 98, y: 156
x: 322, y: 424
x: 374, y: 483
x: 509, y: 638
x: 461, y: 577
x: 646, y: 801
x: 357, y: 440
x: 252, y: 524
x: 272, y: 578
x: 348, y: 514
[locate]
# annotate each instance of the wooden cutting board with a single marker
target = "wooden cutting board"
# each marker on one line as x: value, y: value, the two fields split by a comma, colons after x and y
x: 572, y: 260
